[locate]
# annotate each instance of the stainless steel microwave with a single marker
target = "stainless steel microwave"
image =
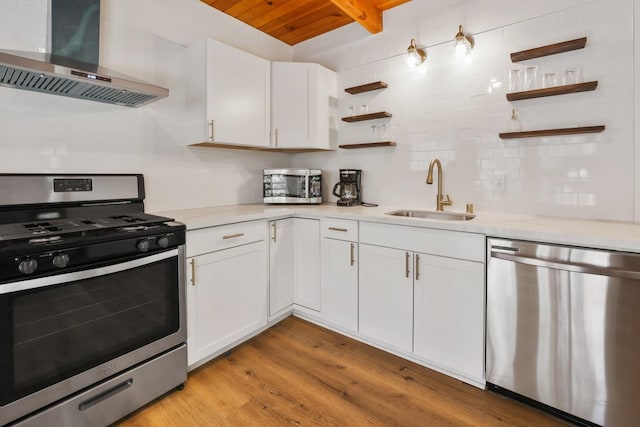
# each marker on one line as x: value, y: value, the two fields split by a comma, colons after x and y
x: 300, y: 186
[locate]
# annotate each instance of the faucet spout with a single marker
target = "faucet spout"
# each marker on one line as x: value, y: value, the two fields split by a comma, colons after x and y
x: 441, y: 199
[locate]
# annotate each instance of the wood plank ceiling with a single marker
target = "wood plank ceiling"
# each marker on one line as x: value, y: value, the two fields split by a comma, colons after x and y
x: 294, y: 21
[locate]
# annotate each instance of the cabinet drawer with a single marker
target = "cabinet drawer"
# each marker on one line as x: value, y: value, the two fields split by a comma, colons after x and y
x: 453, y: 244
x: 212, y: 239
x: 341, y: 229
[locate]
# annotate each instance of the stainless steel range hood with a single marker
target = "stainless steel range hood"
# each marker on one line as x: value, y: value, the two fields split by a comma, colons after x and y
x: 59, y: 75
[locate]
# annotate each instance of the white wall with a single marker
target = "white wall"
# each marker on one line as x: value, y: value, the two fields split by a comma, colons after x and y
x: 445, y: 110
x: 145, y: 39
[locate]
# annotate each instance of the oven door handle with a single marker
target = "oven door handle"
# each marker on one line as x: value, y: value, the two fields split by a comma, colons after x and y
x: 42, y: 282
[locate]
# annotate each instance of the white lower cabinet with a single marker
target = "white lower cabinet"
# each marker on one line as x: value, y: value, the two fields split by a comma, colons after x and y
x: 306, y: 263
x: 386, y: 296
x: 226, y: 289
x: 449, y: 314
x: 281, y: 265
x: 422, y: 291
x: 339, y: 263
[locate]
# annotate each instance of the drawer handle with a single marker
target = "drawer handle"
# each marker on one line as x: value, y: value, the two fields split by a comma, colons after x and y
x: 344, y: 230
x: 193, y: 272
x: 232, y: 236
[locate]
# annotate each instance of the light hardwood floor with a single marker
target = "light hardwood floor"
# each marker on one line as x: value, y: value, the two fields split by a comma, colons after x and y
x: 298, y: 374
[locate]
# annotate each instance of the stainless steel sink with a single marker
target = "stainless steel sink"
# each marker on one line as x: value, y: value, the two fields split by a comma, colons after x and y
x: 442, y: 216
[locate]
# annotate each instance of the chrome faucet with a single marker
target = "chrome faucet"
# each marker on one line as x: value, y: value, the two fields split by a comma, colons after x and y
x: 441, y: 200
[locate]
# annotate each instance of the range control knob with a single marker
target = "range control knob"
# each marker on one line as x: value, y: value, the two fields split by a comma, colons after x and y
x: 143, y: 245
x: 61, y: 260
x: 163, y: 241
x: 28, y: 266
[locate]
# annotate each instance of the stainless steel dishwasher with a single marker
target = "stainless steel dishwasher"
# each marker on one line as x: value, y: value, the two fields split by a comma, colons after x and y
x: 563, y: 329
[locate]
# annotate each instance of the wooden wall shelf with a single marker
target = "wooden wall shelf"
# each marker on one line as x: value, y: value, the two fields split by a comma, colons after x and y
x: 552, y: 132
x: 366, y: 87
x: 370, y: 116
x: 250, y: 148
x: 551, y: 49
x: 369, y: 145
x: 552, y: 91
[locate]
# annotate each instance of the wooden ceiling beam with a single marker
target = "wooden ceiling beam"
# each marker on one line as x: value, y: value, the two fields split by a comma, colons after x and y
x: 365, y: 12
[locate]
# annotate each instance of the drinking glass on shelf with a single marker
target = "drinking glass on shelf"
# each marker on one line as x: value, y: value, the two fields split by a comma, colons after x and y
x: 572, y: 76
x: 374, y: 133
x: 364, y: 109
x: 549, y: 80
x: 382, y: 132
x: 352, y: 110
x: 515, y: 81
x: 531, y: 78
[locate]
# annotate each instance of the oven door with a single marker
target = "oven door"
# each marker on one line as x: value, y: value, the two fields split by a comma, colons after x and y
x: 62, y: 333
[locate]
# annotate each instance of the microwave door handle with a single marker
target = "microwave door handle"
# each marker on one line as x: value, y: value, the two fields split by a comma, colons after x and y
x: 43, y: 282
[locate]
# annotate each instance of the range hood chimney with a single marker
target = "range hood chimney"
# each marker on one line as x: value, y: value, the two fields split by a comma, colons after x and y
x: 72, y: 69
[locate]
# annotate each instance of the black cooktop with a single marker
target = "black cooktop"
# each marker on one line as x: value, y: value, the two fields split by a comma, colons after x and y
x: 45, y: 230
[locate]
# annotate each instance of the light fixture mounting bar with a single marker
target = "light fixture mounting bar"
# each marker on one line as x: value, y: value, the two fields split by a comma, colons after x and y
x: 365, y: 12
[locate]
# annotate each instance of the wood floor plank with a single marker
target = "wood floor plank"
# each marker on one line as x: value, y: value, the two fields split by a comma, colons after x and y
x: 299, y: 374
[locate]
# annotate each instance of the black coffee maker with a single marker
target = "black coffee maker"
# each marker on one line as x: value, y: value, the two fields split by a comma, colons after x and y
x: 349, y: 189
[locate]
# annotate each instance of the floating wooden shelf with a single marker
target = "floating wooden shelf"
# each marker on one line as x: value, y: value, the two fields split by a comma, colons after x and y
x: 552, y: 132
x: 249, y: 148
x: 366, y: 87
x: 370, y: 116
x: 369, y: 145
x: 551, y: 49
x: 552, y: 91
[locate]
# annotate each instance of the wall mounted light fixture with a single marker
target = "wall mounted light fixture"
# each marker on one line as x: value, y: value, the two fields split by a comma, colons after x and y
x: 415, y: 55
x: 462, y: 45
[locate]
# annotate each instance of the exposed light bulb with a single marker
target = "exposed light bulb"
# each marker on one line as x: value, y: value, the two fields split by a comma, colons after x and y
x: 415, y: 56
x: 462, y: 45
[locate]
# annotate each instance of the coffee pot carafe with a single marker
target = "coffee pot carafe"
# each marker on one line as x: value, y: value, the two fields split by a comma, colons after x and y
x: 349, y: 189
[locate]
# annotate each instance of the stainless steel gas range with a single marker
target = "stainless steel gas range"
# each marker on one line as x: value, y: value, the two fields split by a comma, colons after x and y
x: 92, y: 305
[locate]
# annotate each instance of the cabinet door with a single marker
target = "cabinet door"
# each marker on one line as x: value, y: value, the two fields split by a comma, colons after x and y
x: 231, y: 88
x: 290, y: 104
x: 226, y: 299
x: 281, y: 265
x: 339, y: 302
x: 307, y: 263
x: 449, y: 314
x: 386, y: 296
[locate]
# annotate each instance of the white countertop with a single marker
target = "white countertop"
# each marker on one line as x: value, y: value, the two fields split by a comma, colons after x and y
x: 570, y: 231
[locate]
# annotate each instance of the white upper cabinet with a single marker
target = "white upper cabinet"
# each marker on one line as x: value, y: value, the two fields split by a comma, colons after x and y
x: 303, y: 106
x: 228, y: 96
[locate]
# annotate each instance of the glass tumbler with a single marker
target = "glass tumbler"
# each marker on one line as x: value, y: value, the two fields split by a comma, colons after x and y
x: 531, y: 78
x: 515, y: 81
x: 549, y: 80
x: 571, y: 77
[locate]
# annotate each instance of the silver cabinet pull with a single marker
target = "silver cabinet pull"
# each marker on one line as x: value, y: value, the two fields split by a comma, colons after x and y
x: 344, y: 230
x: 211, y: 130
x: 193, y: 271
x: 417, y: 267
x: 276, y: 138
x: 353, y: 258
x: 406, y: 264
x: 275, y: 230
x: 232, y: 236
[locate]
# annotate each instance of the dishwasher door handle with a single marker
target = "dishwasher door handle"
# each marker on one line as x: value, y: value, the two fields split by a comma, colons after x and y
x: 575, y: 268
